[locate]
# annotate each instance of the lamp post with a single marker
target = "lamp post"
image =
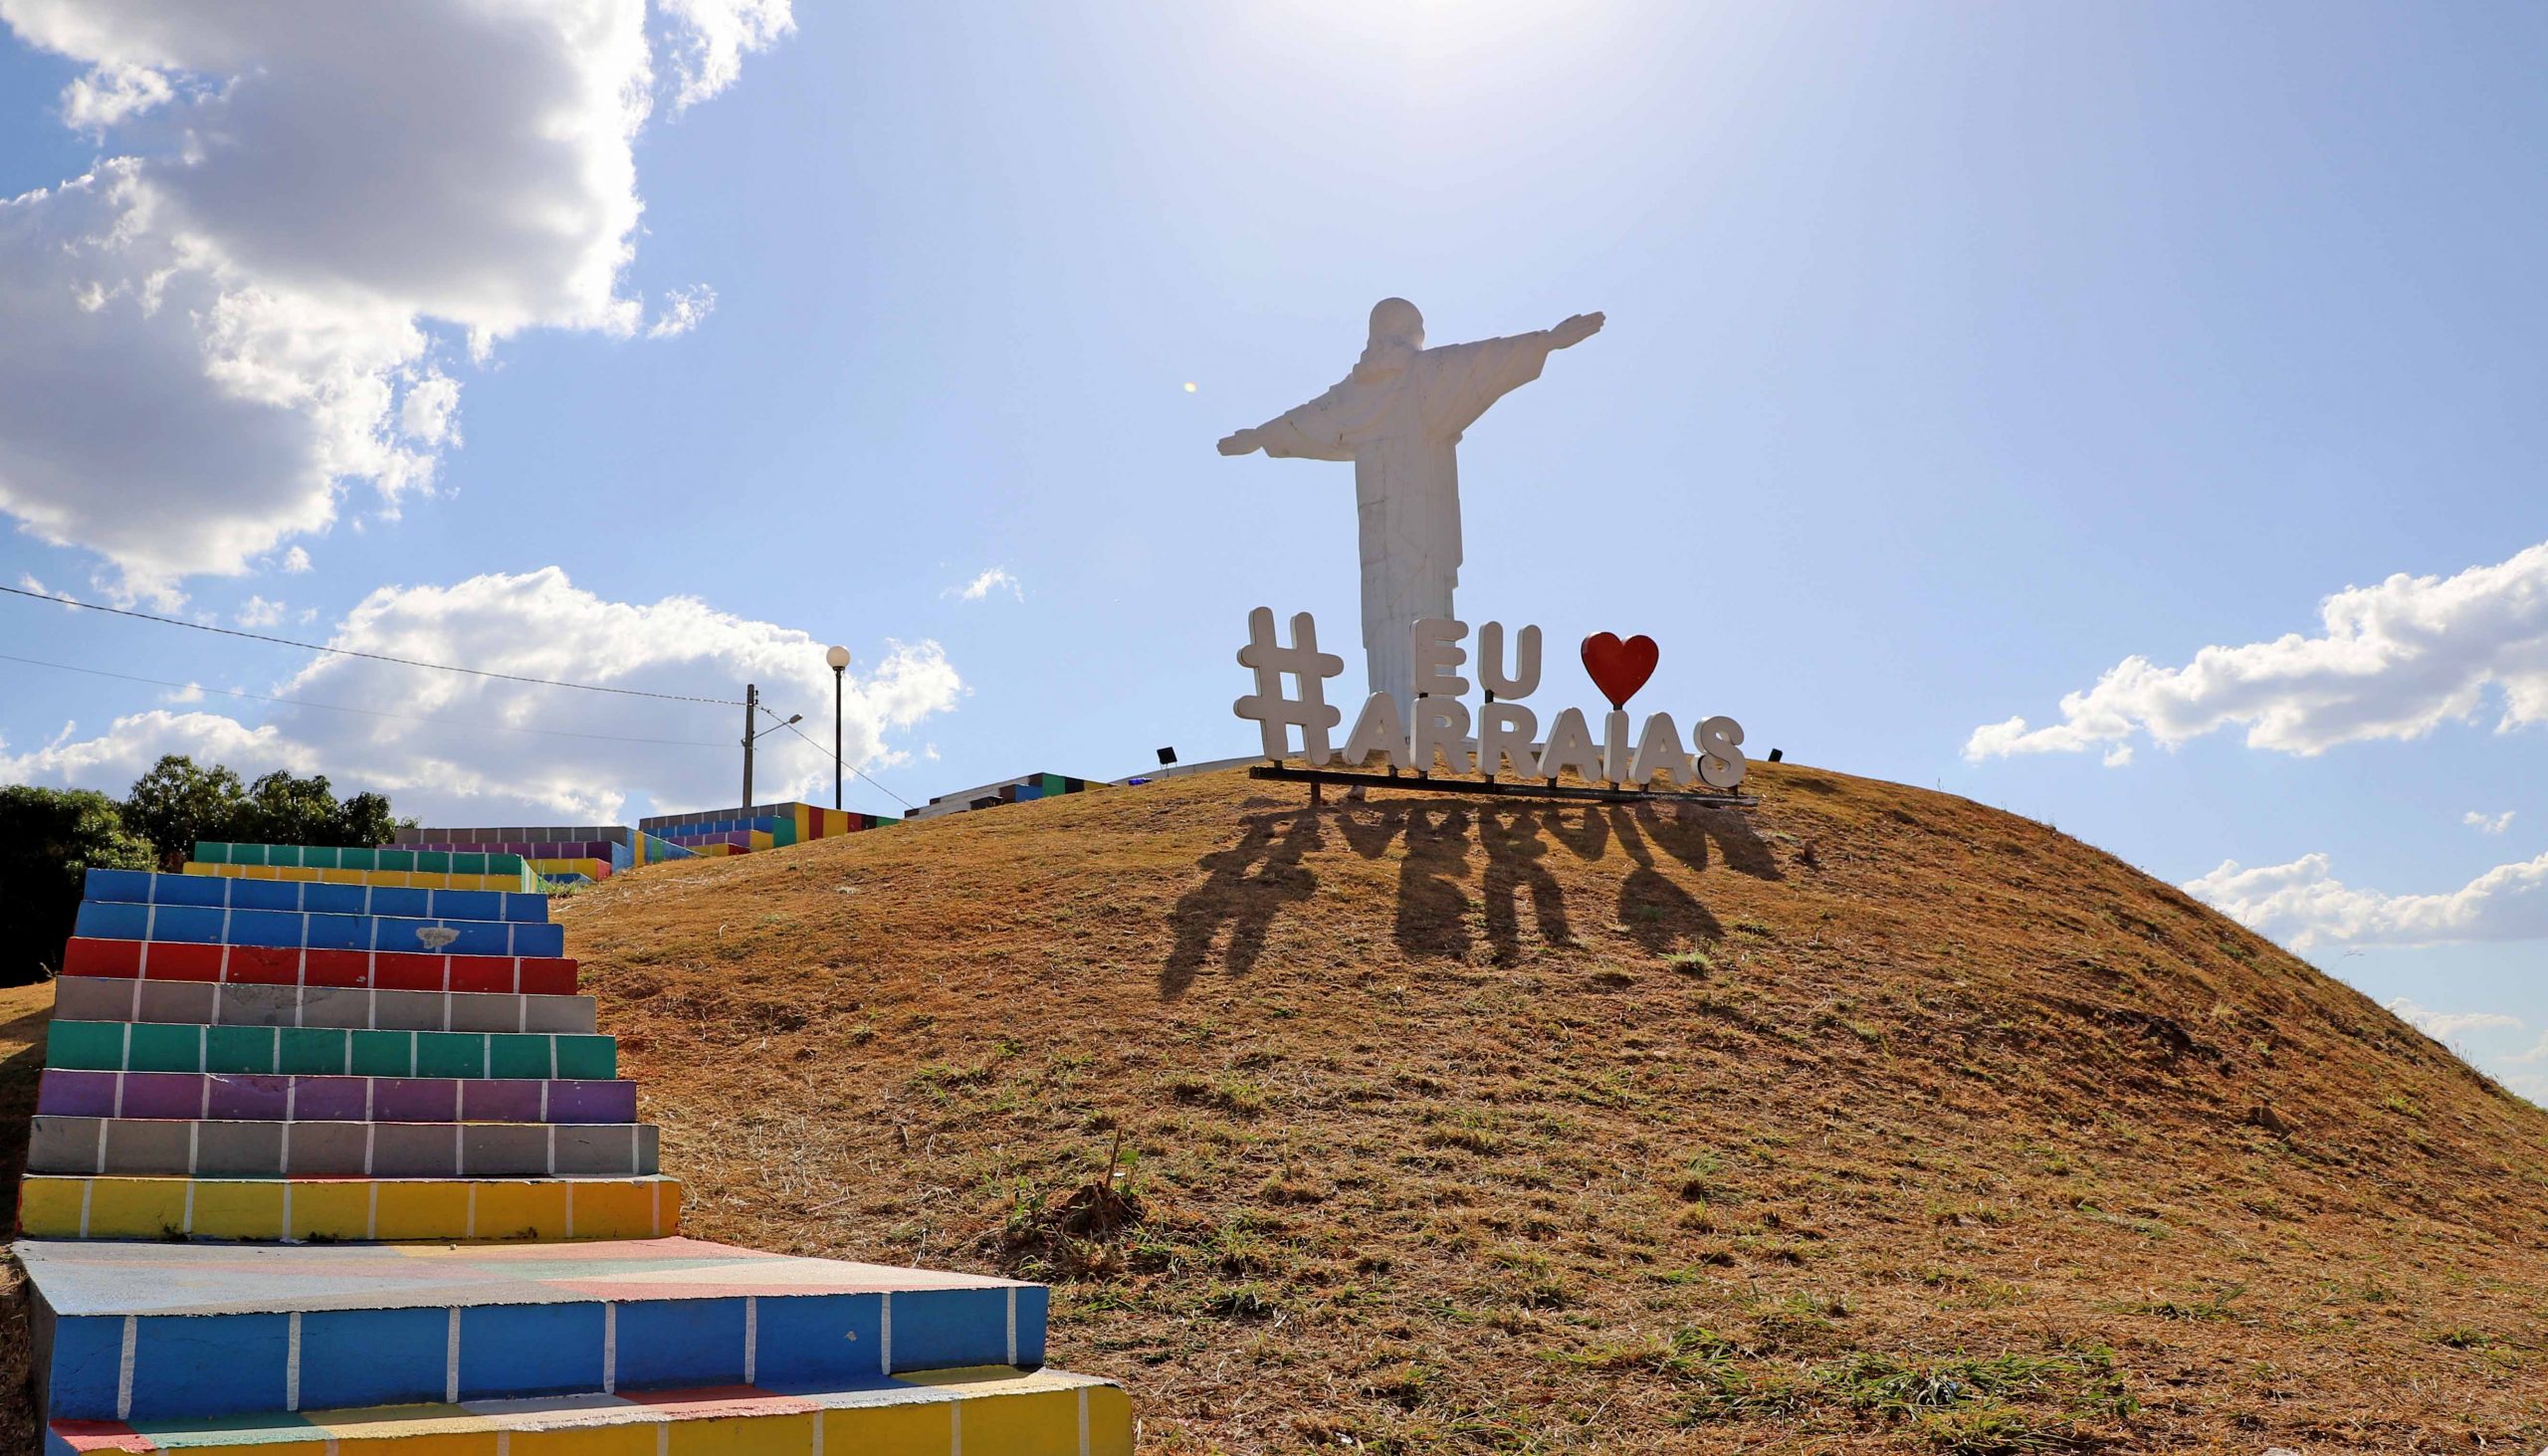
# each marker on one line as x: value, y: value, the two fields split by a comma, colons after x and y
x: 839, y: 657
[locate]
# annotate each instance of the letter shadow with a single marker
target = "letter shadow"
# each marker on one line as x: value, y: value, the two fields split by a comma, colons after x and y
x: 1245, y: 886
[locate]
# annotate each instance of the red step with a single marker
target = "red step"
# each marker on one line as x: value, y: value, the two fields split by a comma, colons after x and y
x: 388, y: 971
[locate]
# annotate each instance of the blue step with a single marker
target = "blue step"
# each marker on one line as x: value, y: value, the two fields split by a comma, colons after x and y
x: 149, y: 1331
x: 106, y: 920
x: 141, y: 887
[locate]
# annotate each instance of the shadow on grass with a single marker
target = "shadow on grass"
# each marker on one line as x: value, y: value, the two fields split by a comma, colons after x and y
x: 1246, y: 886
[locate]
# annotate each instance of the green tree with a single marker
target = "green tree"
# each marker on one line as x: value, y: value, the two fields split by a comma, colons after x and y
x: 49, y: 840
x: 283, y: 809
x: 178, y: 803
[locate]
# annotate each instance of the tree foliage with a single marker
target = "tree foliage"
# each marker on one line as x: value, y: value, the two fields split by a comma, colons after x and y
x: 49, y: 838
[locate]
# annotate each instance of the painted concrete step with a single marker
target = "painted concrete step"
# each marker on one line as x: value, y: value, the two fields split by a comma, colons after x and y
x: 274, y: 1051
x: 288, y: 1099
x: 426, y: 859
x: 154, y: 1332
x: 266, y: 966
x: 58, y: 1206
x: 520, y: 881
x: 987, y: 1411
x: 89, y: 999
x: 212, y: 891
x: 240, y: 1149
x: 202, y: 925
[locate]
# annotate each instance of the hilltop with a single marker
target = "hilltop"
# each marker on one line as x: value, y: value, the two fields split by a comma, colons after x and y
x: 1869, y: 1118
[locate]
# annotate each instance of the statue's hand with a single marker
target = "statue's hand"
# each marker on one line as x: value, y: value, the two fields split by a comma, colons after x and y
x: 1577, y: 329
x: 1239, y: 442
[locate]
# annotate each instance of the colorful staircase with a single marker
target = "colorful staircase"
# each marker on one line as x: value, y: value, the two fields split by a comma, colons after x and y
x: 343, y: 1165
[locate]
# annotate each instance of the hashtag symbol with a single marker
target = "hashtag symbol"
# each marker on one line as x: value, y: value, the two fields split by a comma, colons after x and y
x: 1271, y: 660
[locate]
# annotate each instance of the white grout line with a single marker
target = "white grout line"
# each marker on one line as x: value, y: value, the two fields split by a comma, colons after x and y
x: 1013, y: 1324
x: 885, y: 1332
x: 450, y: 1359
x: 610, y: 1348
x: 123, y: 1368
x: 752, y: 1339
x: 291, y: 1363
x: 1083, y: 1420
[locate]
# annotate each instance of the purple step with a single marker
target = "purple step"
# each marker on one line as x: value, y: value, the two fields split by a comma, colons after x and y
x: 192, y: 1096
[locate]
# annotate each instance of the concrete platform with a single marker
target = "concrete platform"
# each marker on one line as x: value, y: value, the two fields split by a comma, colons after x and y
x: 144, y: 1331
x: 52, y: 1206
x: 153, y: 1046
x: 239, y: 1149
x: 204, y: 925
x: 90, y: 999
x: 184, y: 1095
x: 996, y: 1411
x: 270, y: 966
x: 212, y: 891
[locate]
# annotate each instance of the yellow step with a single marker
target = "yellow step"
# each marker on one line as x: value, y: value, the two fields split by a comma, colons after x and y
x: 295, y: 1209
x: 991, y: 1411
x: 401, y: 878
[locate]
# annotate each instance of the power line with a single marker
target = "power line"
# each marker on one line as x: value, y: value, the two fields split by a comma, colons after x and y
x: 365, y: 712
x: 843, y: 763
x: 405, y: 662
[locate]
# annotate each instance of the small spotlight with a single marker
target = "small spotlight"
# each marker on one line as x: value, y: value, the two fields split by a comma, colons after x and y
x: 1167, y: 756
x: 1778, y: 754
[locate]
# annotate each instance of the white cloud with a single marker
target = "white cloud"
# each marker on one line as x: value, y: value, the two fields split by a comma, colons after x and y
x: 495, y: 754
x: 256, y: 611
x: 2443, y: 1025
x: 191, y: 692
x: 996, y: 579
x: 2487, y: 823
x: 709, y: 55
x: 683, y: 310
x: 2304, y: 904
x: 2391, y: 661
x: 113, y: 93
x: 296, y: 561
x: 28, y: 581
x: 426, y: 414
x: 238, y: 314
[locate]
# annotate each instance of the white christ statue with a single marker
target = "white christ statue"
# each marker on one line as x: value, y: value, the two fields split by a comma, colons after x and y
x: 1399, y: 416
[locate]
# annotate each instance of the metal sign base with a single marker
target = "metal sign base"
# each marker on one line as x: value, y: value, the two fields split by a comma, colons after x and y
x: 1500, y: 788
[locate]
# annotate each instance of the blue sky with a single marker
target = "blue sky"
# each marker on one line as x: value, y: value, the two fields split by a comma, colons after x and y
x: 1955, y: 356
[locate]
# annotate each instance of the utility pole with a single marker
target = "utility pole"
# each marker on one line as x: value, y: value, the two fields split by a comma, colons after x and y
x: 751, y: 707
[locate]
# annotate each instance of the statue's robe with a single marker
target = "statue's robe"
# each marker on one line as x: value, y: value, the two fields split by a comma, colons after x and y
x: 1401, y: 429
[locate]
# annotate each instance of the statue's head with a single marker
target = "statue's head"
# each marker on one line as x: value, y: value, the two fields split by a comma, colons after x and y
x: 1397, y: 332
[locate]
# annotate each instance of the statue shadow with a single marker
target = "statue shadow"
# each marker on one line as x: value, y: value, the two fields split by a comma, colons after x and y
x: 1244, y: 888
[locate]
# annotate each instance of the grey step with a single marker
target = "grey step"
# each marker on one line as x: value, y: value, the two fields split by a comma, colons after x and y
x: 205, y: 1004
x: 142, y: 1147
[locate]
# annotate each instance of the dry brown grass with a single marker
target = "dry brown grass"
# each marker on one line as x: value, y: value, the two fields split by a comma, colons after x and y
x: 1871, y: 1119
x: 24, y: 1014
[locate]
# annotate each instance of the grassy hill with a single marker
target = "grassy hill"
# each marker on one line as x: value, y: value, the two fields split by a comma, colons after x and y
x: 1870, y: 1119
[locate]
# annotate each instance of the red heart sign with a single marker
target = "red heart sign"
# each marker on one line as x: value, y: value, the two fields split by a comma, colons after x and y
x: 1619, y: 668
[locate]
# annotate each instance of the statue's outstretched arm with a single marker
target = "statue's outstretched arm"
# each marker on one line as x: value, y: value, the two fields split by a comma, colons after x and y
x: 1291, y: 433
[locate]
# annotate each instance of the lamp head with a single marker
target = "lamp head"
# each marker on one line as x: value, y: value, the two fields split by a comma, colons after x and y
x: 839, y: 657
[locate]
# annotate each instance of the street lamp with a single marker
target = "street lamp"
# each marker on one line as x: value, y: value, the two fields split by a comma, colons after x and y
x: 839, y: 657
